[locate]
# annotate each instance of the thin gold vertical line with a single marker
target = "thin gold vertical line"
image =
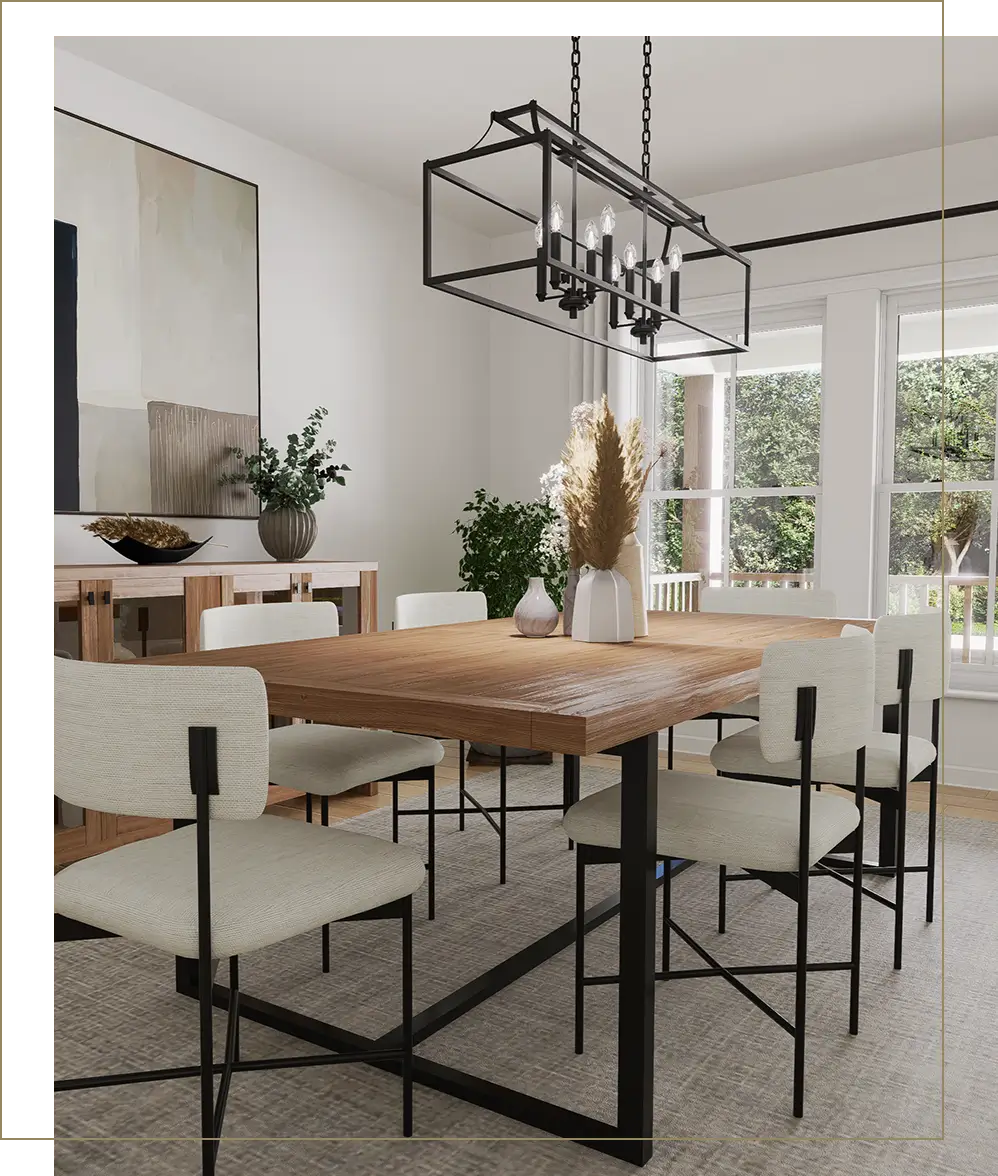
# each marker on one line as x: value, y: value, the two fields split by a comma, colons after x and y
x: 941, y: 814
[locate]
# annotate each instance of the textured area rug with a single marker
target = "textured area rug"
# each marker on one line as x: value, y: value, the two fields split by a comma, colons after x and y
x: 874, y: 1104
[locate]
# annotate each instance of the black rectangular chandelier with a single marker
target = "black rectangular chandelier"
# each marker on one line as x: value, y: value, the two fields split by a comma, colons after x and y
x: 575, y: 265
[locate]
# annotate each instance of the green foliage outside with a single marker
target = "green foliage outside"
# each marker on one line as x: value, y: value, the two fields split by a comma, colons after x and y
x: 777, y: 419
x: 777, y: 422
x: 502, y: 550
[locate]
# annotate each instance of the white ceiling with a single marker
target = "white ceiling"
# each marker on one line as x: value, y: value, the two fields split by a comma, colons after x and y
x: 727, y: 111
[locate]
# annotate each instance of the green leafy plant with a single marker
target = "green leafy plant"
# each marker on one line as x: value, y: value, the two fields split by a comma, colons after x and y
x: 299, y: 480
x: 502, y: 550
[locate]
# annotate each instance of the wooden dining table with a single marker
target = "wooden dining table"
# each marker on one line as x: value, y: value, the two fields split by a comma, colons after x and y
x: 484, y: 681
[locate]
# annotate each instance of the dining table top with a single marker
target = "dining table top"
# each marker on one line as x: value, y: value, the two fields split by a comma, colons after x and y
x: 482, y: 680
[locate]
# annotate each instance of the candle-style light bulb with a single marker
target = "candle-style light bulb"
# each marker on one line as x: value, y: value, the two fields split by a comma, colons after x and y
x: 630, y: 256
x: 615, y: 269
x: 607, y: 220
x: 591, y: 236
x: 539, y: 233
x: 556, y: 218
x: 657, y: 270
x: 675, y: 258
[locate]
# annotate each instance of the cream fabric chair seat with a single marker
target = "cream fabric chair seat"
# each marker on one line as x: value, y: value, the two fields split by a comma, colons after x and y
x: 741, y: 754
x: 710, y: 819
x: 271, y: 879
x: 327, y: 760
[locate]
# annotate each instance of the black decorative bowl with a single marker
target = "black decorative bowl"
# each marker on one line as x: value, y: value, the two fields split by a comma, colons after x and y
x: 142, y: 553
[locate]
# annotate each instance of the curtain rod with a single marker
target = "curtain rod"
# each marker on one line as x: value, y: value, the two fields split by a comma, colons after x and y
x: 896, y: 222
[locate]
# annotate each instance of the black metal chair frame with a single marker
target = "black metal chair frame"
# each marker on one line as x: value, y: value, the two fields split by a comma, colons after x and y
x: 202, y: 743
x: 570, y: 794
x: 893, y: 799
x: 794, y: 885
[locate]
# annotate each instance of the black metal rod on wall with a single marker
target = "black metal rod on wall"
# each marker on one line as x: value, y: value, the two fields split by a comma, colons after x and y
x: 894, y: 222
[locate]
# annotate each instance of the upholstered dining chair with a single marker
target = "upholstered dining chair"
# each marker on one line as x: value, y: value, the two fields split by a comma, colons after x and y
x: 417, y: 610
x: 912, y: 666
x: 815, y: 699
x: 773, y: 602
x: 323, y: 760
x: 191, y: 744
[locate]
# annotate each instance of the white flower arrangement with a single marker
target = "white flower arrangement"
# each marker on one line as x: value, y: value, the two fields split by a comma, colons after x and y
x: 554, y: 537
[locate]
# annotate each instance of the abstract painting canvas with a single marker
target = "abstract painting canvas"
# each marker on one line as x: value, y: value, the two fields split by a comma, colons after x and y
x: 157, y: 373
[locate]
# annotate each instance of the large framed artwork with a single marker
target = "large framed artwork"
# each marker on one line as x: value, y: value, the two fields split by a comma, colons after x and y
x: 157, y: 340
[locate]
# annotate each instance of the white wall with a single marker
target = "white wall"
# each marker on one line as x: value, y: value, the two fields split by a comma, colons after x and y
x: 346, y: 322
x: 530, y: 402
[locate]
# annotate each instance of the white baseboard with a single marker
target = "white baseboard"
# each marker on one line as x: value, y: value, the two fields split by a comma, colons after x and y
x: 971, y: 777
x: 956, y: 774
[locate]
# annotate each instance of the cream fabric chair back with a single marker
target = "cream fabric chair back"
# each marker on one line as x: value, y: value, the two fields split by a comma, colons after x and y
x: 927, y: 636
x: 843, y: 673
x: 785, y: 602
x: 121, y: 737
x: 416, y: 610
x: 235, y: 625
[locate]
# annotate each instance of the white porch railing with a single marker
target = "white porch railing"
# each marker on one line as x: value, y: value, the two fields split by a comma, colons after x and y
x: 674, y: 591
x: 804, y: 579
x: 912, y: 594
x: 680, y: 591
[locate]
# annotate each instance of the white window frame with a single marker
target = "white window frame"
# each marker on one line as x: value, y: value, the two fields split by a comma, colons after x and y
x: 965, y: 677
x: 809, y: 314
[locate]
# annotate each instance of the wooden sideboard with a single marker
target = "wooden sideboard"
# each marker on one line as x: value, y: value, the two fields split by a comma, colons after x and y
x: 87, y: 593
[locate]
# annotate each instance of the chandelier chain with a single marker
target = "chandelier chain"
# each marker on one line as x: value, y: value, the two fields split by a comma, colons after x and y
x: 576, y: 58
x: 646, y: 112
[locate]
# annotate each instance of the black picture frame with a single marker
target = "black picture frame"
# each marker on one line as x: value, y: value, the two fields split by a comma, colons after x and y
x: 66, y: 438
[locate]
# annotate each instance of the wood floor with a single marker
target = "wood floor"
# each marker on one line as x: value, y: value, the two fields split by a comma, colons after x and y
x: 981, y: 803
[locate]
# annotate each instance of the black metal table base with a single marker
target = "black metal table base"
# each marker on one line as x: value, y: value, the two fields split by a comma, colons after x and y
x: 503, y: 1100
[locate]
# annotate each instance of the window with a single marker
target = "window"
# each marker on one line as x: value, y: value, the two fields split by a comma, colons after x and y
x: 734, y: 498
x: 938, y: 508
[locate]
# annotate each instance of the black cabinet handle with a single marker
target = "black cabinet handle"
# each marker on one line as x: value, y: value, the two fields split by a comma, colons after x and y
x: 107, y: 597
x: 91, y: 599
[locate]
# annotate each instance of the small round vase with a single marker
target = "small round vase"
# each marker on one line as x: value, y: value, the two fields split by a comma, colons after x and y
x: 536, y: 614
x: 287, y: 534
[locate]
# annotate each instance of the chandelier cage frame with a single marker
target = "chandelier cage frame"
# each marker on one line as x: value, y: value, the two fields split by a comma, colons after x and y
x: 533, y: 127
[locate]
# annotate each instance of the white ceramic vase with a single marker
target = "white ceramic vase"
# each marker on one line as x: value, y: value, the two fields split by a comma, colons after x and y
x: 603, y: 610
x: 536, y: 615
x: 631, y: 565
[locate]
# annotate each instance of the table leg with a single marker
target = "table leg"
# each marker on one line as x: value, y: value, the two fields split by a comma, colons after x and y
x: 636, y: 993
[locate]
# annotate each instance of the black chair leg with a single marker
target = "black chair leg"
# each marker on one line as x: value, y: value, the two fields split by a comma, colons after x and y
x: 899, y: 885
x: 431, y: 843
x: 666, y: 912
x: 407, y: 1018
x: 669, y: 747
x: 233, y: 989
x: 580, y: 947
x: 308, y: 807
x: 395, y: 809
x: 800, y: 996
x: 930, y: 873
x: 720, y: 730
x: 325, y: 929
x: 460, y: 785
x: 502, y: 816
x: 857, y: 904
x: 722, y: 899
x: 207, y: 1077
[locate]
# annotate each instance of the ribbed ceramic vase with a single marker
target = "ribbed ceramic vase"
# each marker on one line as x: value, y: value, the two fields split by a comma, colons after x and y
x: 287, y: 534
x: 631, y: 565
x: 536, y: 615
x: 603, y: 610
